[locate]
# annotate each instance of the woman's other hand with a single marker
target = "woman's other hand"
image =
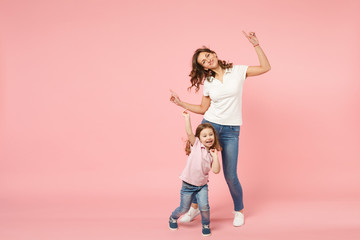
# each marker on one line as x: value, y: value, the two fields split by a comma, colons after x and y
x: 175, y: 98
x: 252, y: 38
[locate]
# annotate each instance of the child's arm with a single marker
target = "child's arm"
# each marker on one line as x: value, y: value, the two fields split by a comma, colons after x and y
x: 188, y: 128
x: 215, y: 167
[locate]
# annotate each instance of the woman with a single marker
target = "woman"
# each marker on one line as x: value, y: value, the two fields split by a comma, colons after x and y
x: 221, y: 105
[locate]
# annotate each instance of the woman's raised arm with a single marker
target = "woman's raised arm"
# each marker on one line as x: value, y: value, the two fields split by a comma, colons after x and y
x: 264, y: 62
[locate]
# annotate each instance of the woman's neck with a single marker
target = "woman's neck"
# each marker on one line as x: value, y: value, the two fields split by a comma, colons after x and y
x: 219, y: 72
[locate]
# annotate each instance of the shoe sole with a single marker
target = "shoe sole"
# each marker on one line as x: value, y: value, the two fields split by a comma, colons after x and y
x: 190, y: 219
x: 238, y: 225
x: 173, y: 229
x: 207, y: 235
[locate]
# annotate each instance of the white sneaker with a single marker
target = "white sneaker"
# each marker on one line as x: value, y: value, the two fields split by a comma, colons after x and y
x: 238, y: 219
x: 190, y: 215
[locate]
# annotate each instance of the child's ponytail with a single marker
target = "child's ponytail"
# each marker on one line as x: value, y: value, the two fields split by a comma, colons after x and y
x: 187, y: 147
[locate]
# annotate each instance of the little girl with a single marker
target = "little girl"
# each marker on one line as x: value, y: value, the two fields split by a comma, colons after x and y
x: 202, y: 150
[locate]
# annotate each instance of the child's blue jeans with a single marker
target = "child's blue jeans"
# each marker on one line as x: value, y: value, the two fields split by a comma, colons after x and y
x: 188, y: 193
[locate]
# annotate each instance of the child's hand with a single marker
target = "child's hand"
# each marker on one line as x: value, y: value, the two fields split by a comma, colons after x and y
x: 213, y: 152
x: 185, y: 113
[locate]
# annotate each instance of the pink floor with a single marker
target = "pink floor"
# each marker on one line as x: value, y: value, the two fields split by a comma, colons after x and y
x: 90, y: 219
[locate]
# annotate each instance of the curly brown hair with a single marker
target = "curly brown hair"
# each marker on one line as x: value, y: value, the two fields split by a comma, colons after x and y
x: 198, y: 74
x: 201, y: 127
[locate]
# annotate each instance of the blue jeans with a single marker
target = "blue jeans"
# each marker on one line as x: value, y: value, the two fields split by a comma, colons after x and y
x: 188, y: 193
x: 229, y: 141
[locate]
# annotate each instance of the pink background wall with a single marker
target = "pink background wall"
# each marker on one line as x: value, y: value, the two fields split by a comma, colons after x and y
x: 85, y: 111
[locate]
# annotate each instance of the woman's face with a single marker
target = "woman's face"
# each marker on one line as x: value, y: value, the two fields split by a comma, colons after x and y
x: 208, y: 60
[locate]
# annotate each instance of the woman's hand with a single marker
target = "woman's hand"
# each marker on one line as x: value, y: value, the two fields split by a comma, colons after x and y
x: 175, y: 98
x: 252, y: 38
x: 264, y: 65
x: 195, y: 108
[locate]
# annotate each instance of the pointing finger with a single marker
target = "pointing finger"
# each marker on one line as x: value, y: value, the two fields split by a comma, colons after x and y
x: 245, y: 34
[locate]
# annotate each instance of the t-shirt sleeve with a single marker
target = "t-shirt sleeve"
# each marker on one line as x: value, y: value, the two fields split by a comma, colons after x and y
x: 242, y: 71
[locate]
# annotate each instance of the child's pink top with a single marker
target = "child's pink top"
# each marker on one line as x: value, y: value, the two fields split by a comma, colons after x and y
x: 198, y: 165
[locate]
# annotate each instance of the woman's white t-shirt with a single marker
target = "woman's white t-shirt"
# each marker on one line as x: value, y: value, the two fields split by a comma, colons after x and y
x: 226, y: 97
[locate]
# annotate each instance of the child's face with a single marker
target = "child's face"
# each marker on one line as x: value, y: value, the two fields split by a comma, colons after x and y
x: 207, y: 137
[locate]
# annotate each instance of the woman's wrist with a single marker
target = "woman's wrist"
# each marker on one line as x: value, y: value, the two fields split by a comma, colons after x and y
x: 182, y: 104
x: 256, y: 45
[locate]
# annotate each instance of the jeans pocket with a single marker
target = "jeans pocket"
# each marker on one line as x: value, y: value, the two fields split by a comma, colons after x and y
x: 235, y: 129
